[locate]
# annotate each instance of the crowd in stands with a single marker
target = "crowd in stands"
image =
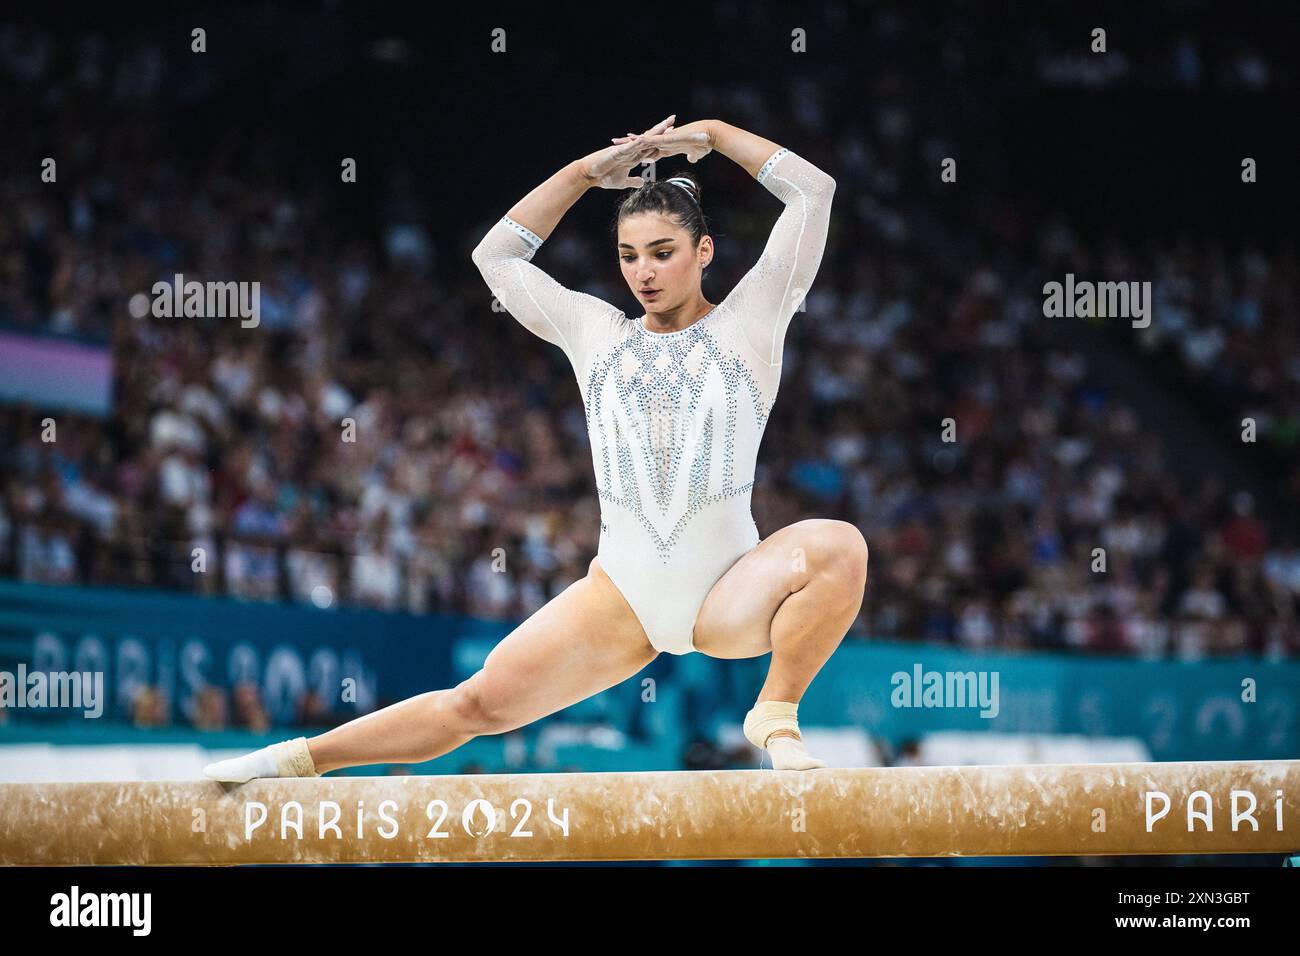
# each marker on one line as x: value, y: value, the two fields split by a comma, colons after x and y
x: 464, y: 482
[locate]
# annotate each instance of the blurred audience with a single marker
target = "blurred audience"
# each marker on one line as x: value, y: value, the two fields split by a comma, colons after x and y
x: 385, y: 439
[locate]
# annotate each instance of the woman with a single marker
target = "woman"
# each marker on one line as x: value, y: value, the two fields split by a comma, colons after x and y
x: 676, y: 403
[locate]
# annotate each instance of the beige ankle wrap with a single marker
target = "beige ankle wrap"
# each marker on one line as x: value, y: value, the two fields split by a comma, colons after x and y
x: 293, y: 759
x: 767, y: 717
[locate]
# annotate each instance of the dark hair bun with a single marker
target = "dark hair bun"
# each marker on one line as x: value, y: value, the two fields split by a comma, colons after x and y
x: 675, y: 182
x: 679, y: 200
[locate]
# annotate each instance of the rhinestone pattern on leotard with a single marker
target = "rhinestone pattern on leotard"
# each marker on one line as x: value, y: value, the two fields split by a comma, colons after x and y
x: 660, y: 383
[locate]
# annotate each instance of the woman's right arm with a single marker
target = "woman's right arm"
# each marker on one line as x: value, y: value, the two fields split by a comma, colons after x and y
x: 540, y: 304
x: 543, y: 208
x: 561, y: 316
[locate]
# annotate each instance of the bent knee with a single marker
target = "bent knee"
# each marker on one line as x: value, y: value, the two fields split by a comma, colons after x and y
x: 838, y: 549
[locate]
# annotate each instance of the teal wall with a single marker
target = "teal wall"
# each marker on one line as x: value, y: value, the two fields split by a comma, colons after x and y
x: 1181, y: 710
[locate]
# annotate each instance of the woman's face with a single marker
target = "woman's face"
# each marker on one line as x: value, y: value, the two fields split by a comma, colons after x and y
x: 660, y: 264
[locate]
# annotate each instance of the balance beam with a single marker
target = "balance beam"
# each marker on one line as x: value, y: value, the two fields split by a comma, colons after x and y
x: 1046, y: 810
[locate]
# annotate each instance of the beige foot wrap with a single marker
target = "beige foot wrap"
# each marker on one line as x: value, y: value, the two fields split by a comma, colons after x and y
x: 788, y: 753
x: 293, y: 759
x: 290, y: 758
x: 767, y: 717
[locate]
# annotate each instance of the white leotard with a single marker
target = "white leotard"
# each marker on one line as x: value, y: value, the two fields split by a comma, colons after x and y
x: 675, y: 419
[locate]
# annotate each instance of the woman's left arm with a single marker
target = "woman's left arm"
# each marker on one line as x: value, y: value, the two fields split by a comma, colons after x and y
x: 767, y: 297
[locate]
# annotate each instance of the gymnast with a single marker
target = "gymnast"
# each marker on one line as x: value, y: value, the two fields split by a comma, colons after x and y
x: 676, y: 402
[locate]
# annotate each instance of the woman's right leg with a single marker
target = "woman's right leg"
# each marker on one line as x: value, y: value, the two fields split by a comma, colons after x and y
x: 584, y: 640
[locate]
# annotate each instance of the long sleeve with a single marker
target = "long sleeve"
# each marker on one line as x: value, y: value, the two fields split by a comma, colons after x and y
x: 766, y: 298
x: 572, y: 320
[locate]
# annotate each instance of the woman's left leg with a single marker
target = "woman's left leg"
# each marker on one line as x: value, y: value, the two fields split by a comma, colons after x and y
x: 795, y: 594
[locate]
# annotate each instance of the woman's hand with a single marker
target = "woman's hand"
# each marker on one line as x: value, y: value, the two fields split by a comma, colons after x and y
x: 694, y: 140
x: 609, y: 168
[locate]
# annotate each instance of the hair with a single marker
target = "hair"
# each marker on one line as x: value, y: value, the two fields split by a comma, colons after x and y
x: 668, y: 199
